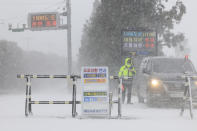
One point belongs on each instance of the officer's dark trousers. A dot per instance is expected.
(127, 89)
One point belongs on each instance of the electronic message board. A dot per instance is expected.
(43, 21)
(140, 43)
(95, 100)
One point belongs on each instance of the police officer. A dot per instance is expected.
(127, 70)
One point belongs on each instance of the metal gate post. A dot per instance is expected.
(74, 98)
(27, 97)
(190, 98)
(184, 97)
(187, 97)
(120, 99)
(110, 103)
(30, 106)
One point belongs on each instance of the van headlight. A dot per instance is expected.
(154, 83)
(195, 83)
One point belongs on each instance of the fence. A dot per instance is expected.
(74, 102)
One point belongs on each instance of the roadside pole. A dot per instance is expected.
(69, 46)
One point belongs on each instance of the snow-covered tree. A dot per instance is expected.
(101, 40)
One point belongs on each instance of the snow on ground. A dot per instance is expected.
(58, 117)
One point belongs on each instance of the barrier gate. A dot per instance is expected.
(187, 98)
(74, 102)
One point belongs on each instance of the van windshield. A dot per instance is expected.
(171, 66)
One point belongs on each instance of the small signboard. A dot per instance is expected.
(95, 100)
(43, 21)
(139, 43)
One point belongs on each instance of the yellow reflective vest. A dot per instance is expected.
(127, 70)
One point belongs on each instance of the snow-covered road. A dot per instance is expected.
(58, 118)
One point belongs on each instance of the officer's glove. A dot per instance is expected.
(133, 72)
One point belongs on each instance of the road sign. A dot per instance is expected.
(140, 43)
(43, 21)
(95, 100)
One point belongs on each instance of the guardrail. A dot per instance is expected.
(29, 102)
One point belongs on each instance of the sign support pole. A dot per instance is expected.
(74, 98)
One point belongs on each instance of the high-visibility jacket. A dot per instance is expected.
(127, 70)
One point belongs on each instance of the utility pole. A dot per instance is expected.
(69, 46)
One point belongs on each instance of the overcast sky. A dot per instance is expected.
(15, 11)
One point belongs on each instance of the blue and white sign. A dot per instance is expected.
(95, 100)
